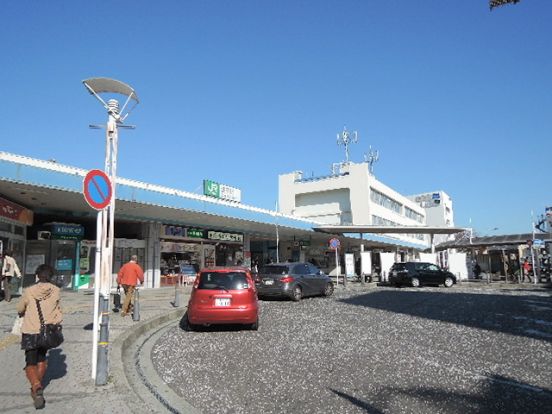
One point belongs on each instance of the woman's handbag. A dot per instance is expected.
(50, 336)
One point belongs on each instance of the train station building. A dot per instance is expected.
(45, 219)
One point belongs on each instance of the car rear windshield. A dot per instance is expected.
(274, 270)
(399, 266)
(223, 280)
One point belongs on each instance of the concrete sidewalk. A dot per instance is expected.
(69, 387)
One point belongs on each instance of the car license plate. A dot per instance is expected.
(268, 282)
(222, 301)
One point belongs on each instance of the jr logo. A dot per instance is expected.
(211, 188)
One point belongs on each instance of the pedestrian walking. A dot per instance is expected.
(128, 277)
(527, 269)
(9, 270)
(39, 305)
(476, 270)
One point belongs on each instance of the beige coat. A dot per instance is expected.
(49, 297)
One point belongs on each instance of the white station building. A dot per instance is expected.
(352, 196)
(438, 211)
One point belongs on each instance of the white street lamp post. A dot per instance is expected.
(106, 220)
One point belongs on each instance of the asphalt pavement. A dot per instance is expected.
(473, 348)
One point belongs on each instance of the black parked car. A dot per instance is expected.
(293, 280)
(420, 273)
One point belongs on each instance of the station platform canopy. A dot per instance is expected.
(339, 229)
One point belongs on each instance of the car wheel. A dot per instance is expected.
(415, 282)
(328, 291)
(187, 326)
(449, 282)
(297, 293)
(254, 326)
(368, 279)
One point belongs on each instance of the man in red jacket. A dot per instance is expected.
(130, 274)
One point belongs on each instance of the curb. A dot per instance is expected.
(123, 353)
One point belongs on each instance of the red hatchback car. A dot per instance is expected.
(223, 295)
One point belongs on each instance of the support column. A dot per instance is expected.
(152, 272)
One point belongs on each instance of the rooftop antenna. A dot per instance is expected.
(345, 138)
(371, 157)
(105, 219)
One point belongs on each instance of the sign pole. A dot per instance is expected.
(99, 189)
(97, 271)
(336, 268)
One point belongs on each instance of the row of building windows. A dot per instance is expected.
(380, 221)
(408, 212)
(385, 201)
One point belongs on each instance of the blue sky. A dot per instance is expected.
(454, 97)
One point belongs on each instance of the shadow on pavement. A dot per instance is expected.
(359, 403)
(496, 394)
(485, 311)
(183, 324)
(57, 368)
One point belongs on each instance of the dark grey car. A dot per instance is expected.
(293, 280)
(420, 273)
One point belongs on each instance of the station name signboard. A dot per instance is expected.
(222, 191)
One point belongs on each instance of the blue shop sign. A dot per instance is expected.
(64, 264)
(68, 231)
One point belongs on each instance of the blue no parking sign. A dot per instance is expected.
(97, 189)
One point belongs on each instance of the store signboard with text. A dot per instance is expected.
(66, 231)
(223, 236)
(222, 191)
(15, 212)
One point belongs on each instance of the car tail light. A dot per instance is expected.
(286, 279)
(196, 281)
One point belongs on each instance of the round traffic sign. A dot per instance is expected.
(335, 243)
(97, 189)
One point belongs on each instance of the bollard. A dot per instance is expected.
(136, 307)
(176, 302)
(102, 367)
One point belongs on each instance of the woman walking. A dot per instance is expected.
(39, 305)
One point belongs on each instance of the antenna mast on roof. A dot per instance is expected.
(346, 138)
(371, 157)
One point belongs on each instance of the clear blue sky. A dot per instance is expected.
(453, 96)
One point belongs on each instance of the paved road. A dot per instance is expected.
(386, 350)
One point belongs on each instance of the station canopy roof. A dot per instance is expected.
(338, 229)
(488, 241)
(48, 187)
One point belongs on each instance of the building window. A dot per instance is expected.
(408, 212)
(385, 201)
(380, 221)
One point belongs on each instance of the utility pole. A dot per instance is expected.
(106, 219)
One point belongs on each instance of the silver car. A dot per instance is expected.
(293, 280)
